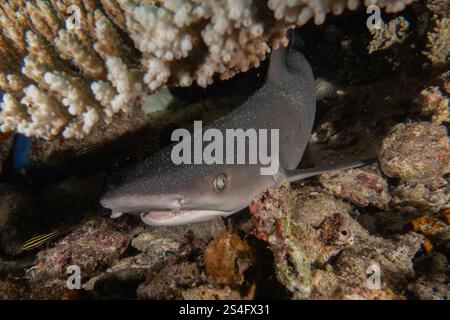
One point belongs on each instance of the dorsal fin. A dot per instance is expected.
(277, 65)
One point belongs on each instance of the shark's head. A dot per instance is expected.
(166, 195)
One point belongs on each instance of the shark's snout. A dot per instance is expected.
(123, 201)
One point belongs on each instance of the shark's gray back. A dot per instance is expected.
(286, 102)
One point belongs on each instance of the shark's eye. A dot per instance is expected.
(220, 182)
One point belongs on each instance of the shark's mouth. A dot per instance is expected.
(181, 217)
(160, 215)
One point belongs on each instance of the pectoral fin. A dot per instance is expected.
(116, 215)
(297, 175)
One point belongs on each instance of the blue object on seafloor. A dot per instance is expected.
(20, 153)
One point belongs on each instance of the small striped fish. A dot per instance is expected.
(85, 150)
(37, 241)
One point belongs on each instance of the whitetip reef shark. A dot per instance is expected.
(165, 194)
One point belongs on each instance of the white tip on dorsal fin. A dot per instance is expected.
(296, 175)
(116, 215)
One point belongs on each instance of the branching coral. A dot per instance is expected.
(432, 102)
(393, 32)
(439, 36)
(65, 65)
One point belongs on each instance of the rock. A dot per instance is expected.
(116, 285)
(432, 264)
(156, 242)
(168, 239)
(433, 103)
(444, 215)
(315, 240)
(432, 281)
(124, 271)
(52, 289)
(413, 196)
(227, 258)
(363, 187)
(436, 231)
(15, 267)
(415, 152)
(283, 219)
(92, 246)
(207, 292)
(175, 272)
(10, 291)
(164, 254)
(168, 280)
(385, 223)
(430, 289)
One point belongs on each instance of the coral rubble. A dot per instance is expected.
(416, 152)
(388, 34)
(90, 247)
(226, 259)
(438, 50)
(360, 186)
(321, 252)
(434, 101)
